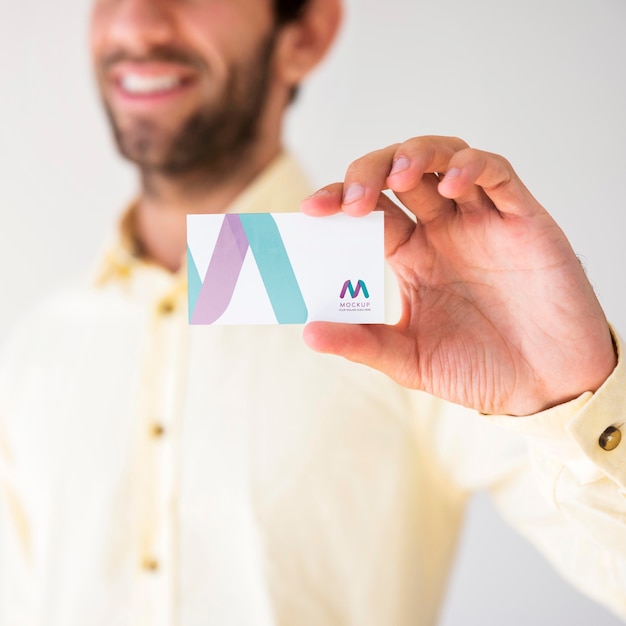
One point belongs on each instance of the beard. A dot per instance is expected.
(212, 138)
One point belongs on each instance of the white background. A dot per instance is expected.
(541, 82)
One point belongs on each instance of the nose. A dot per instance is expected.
(137, 26)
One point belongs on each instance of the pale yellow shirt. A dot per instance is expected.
(165, 475)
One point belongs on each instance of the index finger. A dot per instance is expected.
(353, 194)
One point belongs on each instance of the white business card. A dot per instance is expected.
(285, 268)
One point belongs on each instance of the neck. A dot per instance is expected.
(165, 201)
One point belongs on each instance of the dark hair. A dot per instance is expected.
(289, 10)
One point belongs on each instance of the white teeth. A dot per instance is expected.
(138, 84)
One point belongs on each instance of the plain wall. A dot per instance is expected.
(540, 82)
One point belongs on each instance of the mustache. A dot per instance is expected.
(169, 54)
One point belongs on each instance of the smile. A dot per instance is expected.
(142, 85)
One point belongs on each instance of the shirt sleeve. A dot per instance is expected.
(571, 501)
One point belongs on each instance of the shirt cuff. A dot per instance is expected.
(570, 433)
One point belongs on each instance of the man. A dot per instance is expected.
(156, 474)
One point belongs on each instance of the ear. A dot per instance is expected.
(302, 44)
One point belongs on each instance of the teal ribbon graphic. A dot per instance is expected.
(209, 299)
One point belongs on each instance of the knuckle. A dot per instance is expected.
(371, 162)
(460, 144)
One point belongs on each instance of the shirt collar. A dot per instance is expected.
(277, 189)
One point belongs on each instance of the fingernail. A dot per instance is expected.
(451, 174)
(353, 193)
(399, 165)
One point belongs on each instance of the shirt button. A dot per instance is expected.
(610, 438)
(150, 564)
(166, 306)
(157, 430)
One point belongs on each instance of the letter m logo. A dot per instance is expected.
(347, 287)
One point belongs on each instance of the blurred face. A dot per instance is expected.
(184, 82)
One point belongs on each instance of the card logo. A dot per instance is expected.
(347, 286)
(353, 304)
(209, 298)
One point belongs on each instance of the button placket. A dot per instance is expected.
(169, 331)
(160, 391)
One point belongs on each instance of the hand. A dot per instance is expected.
(497, 313)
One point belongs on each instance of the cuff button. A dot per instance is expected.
(610, 438)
